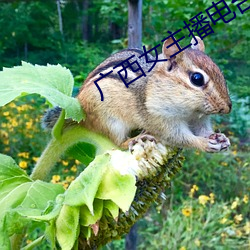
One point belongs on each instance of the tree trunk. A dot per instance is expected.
(59, 16)
(131, 238)
(85, 28)
(134, 23)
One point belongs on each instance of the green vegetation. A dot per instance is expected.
(208, 204)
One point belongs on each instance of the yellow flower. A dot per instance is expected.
(193, 190)
(77, 162)
(14, 123)
(238, 233)
(223, 235)
(12, 105)
(23, 164)
(234, 152)
(55, 178)
(35, 159)
(235, 203)
(6, 113)
(23, 107)
(6, 141)
(197, 242)
(24, 154)
(29, 124)
(187, 211)
(73, 168)
(245, 199)
(238, 218)
(223, 220)
(70, 178)
(225, 164)
(6, 149)
(211, 195)
(203, 199)
(65, 163)
(4, 134)
(247, 227)
(182, 248)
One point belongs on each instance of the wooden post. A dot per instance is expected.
(85, 20)
(131, 238)
(135, 23)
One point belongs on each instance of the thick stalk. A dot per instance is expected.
(57, 147)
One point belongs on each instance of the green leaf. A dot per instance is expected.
(50, 234)
(53, 82)
(14, 198)
(20, 197)
(4, 240)
(9, 168)
(6, 186)
(86, 231)
(14, 223)
(34, 243)
(46, 216)
(67, 226)
(83, 152)
(83, 189)
(39, 194)
(86, 218)
(112, 208)
(118, 188)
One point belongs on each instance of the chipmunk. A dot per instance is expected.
(172, 103)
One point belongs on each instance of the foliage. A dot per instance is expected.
(37, 39)
(99, 204)
(29, 79)
(199, 223)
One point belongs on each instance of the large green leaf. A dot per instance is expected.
(67, 226)
(20, 197)
(53, 82)
(118, 188)
(83, 189)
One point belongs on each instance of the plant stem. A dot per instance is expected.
(16, 240)
(57, 147)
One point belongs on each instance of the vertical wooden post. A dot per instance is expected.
(85, 20)
(58, 2)
(131, 238)
(135, 23)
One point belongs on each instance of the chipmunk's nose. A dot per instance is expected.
(226, 109)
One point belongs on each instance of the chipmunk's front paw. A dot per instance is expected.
(218, 142)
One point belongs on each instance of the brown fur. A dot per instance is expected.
(164, 103)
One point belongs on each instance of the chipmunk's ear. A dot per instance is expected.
(199, 46)
(169, 48)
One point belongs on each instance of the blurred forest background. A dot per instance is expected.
(207, 206)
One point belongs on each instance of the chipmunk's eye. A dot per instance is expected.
(197, 79)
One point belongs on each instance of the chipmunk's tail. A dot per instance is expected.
(50, 117)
